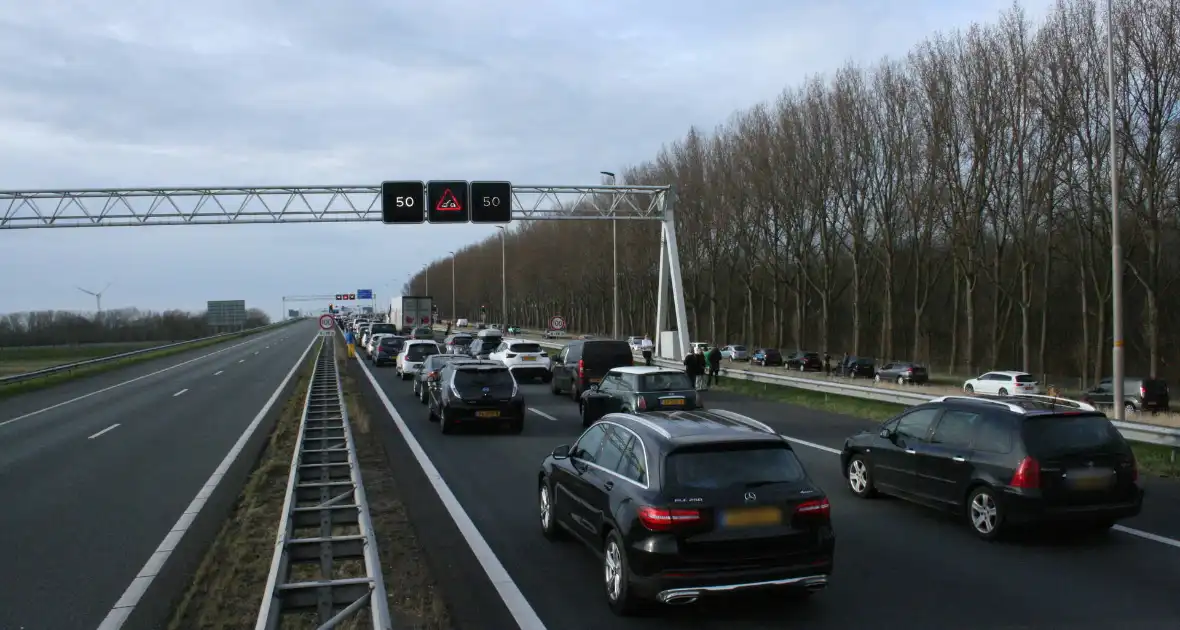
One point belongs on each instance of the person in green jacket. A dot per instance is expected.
(713, 360)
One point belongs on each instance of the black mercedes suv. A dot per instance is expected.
(475, 393)
(682, 505)
(1000, 462)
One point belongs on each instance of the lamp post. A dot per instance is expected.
(426, 273)
(454, 313)
(503, 275)
(1116, 249)
(614, 226)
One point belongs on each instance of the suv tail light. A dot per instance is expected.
(1027, 475)
(662, 520)
(642, 403)
(819, 508)
(581, 369)
(1142, 392)
(432, 375)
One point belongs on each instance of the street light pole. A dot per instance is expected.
(426, 272)
(454, 313)
(503, 275)
(1116, 248)
(614, 226)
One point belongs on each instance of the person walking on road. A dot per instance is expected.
(647, 348)
(350, 339)
(713, 360)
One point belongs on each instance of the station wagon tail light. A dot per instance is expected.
(642, 404)
(581, 369)
(1027, 475)
(814, 508)
(662, 520)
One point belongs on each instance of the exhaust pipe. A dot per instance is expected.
(816, 584)
(681, 598)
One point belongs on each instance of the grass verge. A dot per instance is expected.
(227, 588)
(1154, 460)
(25, 387)
(415, 600)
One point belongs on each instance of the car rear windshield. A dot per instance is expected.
(863, 361)
(525, 347)
(495, 380)
(420, 351)
(491, 340)
(740, 348)
(1025, 378)
(771, 353)
(383, 328)
(732, 465)
(811, 355)
(607, 354)
(392, 342)
(664, 382)
(461, 341)
(1051, 435)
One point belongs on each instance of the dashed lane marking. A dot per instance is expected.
(108, 429)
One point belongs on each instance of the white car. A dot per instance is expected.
(1003, 384)
(413, 355)
(525, 359)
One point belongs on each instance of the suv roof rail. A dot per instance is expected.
(1064, 402)
(1014, 408)
(743, 419)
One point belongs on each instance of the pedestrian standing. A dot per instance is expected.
(350, 339)
(713, 359)
(692, 368)
(647, 348)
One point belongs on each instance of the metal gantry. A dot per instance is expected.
(325, 568)
(217, 205)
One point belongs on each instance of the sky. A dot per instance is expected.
(220, 93)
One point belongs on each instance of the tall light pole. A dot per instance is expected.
(503, 275)
(426, 272)
(614, 227)
(1116, 248)
(454, 310)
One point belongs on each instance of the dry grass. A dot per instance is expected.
(227, 589)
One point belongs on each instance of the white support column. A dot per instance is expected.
(661, 290)
(678, 298)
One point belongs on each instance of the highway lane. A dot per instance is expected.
(83, 514)
(898, 565)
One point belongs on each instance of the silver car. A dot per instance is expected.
(735, 353)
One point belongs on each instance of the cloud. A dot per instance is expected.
(114, 93)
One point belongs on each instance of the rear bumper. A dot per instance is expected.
(468, 414)
(527, 370)
(676, 588)
(1022, 509)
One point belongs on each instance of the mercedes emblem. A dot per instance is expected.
(750, 496)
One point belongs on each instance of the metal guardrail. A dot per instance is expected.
(1132, 431)
(325, 564)
(66, 367)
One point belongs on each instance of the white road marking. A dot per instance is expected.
(179, 393)
(127, 382)
(241, 361)
(255, 352)
(218, 372)
(110, 428)
(526, 618)
(542, 414)
(131, 596)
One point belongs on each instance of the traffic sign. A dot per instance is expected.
(447, 202)
(364, 294)
(557, 322)
(327, 322)
(491, 202)
(402, 202)
(340, 297)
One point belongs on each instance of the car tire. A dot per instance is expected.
(586, 422)
(969, 390)
(901, 380)
(548, 376)
(445, 427)
(617, 576)
(1003, 391)
(876, 379)
(985, 513)
(860, 478)
(575, 395)
(430, 415)
(423, 395)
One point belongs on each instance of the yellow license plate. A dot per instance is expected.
(595, 380)
(487, 414)
(672, 402)
(751, 517)
(528, 358)
(1092, 482)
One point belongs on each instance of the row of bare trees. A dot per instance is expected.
(55, 328)
(951, 207)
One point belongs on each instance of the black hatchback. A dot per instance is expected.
(684, 505)
(474, 394)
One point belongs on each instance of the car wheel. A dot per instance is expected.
(969, 390)
(984, 513)
(430, 415)
(616, 576)
(585, 419)
(575, 395)
(422, 396)
(860, 478)
(877, 379)
(1003, 391)
(443, 425)
(553, 386)
(1129, 408)
(901, 380)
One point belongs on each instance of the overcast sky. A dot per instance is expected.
(125, 93)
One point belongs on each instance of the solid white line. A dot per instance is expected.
(218, 372)
(179, 393)
(110, 428)
(542, 414)
(514, 600)
(128, 382)
(130, 598)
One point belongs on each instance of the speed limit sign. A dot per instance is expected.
(557, 322)
(327, 322)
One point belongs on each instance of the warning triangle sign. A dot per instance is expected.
(448, 203)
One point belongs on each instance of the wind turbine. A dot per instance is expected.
(97, 295)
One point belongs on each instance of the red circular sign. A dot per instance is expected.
(326, 322)
(557, 322)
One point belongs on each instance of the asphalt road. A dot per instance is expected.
(91, 487)
(898, 565)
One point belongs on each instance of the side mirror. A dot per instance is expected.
(886, 434)
(561, 452)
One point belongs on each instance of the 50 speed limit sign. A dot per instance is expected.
(557, 322)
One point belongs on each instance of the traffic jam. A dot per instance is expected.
(680, 501)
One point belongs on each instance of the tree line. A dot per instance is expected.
(55, 328)
(951, 207)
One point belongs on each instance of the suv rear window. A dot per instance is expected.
(740, 348)
(392, 342)
(607, 354)
(1154, 387)
(664, 382)
(1025, 378)
(419, 351)
(525, 347)
(726, 467)
(1050, 435)
(461, 341)
(494, 379)
(383, 329)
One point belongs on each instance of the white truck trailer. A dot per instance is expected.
(408, 312)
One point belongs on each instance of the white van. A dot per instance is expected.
(462, 323)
